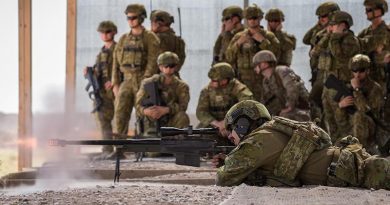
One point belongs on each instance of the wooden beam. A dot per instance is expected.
(70, 82)
(25, 139)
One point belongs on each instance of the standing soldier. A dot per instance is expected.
(275, 18)
(375, 40)
(231, 24)
(161, 25)
(342, 45)
(284, 92)
(134, 59)
(174, 95)
(246, 44)
(317, 53)
(102, 70)
(218, 97)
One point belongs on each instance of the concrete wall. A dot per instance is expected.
(201, 24)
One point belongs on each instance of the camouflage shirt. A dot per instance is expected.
(215, 102)
(176, 95)
(135, 54)
(170, 42)
(222, 43)
(104, 62)
(287, 45)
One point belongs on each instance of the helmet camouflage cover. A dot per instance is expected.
(263, 56)
(274, 14)
(138, 9)
(253, 11)
(231, 11)
(381, 4)
(326, 8)
(341, 16)
(221, 71)
(247, 108)
(159, 15)
(168, 58)
(360, 61)
(107, 26)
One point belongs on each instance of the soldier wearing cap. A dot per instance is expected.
(174, 94)
(367, 98)
(134, 59)
(284, 93)
(342, 45)
(246, 44)
(161, 25)
(275, 19)
(103, 71)
(231, 25)
(275, 151)
(375, 39)
(223, 91)
(319, 53)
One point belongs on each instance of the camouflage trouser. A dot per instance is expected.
(179, 120)
(363, 128)
(336, 119)
(315, 96)
(104, 117)
(253, 82)
(125, 102)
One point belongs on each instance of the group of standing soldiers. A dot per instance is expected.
(249, 63)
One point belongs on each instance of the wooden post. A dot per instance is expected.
(70, 82)
(246, 3)
(25, 114)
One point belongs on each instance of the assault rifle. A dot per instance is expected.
(186, 144)
(94, 82)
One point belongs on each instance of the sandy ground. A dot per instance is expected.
(162, 189)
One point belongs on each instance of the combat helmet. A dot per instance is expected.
(327, 8)
(381, 4)
(242, 116)
(341, 16)
(376, 173)
(274, 14)
(138, 9)
(253, 12)
(360, 62)
(221, 71)
(163, 16)
(168, 58)
(264, 56)
(231, 11)
(106, 27)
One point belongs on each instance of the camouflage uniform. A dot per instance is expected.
(342, 47)
(287, 41)
(371, 38)
(174, 95)
(240, 56)
(134, 59)
(318, 53)
(215, 102)
(103, 68)
(169, 41)
(224, 38)
(280, 152)
(282, 89)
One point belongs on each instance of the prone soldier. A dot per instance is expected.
(275, 151)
